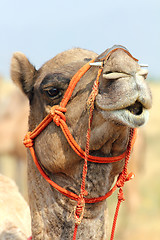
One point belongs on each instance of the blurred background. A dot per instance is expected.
(41, 29)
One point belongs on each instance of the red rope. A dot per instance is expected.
(123, 177)
(80, 205)
(81, 153)
(74, 82)
(75, 232)
(58, 117)
(115, 219)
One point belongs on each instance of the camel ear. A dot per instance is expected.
(22, 73)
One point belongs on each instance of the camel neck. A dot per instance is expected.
(54, 212)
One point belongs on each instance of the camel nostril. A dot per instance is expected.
(114, 75)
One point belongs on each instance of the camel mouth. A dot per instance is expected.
(134, 115)
(136, 108)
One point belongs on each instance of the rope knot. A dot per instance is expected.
(124, 178)
(93, 94)
(121, 195)
(28, 142)
(56, 113)
(121, 180)
(79, 210)
(130, 176)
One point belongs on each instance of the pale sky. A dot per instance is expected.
(41, 29)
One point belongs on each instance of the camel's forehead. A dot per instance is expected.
(65, 62)
(69, 56)
(78, 54)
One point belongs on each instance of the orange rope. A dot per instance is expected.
(29, 143)
(74, 82)
(75, 232)
(123, 177)
(72, 141)
(81, 153)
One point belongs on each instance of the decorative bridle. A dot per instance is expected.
(57, 116)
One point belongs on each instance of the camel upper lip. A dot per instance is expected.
(114, 75)
(135, 103)
(134, 115)
(135, 107)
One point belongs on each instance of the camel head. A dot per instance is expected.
(122, 103)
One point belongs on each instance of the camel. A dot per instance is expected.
(122, 103)
(14, 212)
(13, 126)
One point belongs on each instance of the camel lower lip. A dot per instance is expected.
(125, 117)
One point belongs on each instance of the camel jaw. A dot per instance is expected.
(133, 116)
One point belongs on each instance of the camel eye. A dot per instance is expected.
(53, 93)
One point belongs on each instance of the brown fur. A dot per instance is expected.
(52, 213)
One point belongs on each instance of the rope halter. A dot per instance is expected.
(57, 115)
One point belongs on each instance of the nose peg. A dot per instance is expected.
(142, 65)
(143, 71)
(96, 64)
